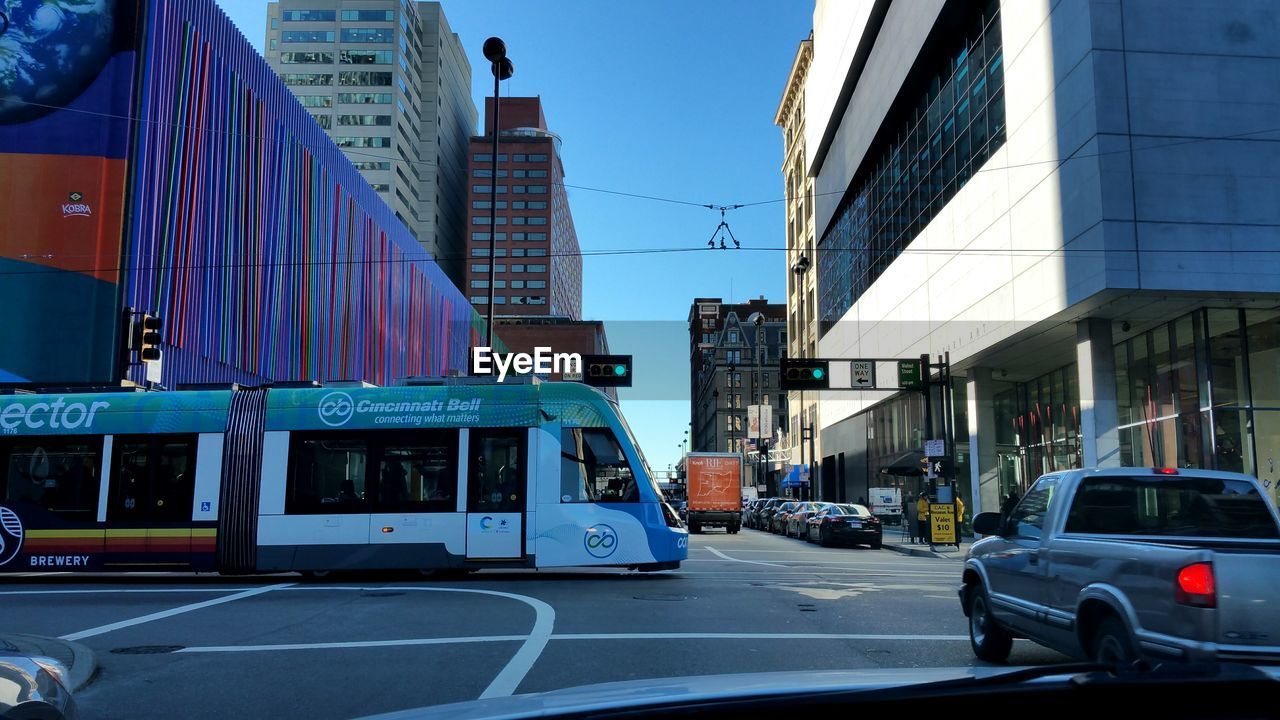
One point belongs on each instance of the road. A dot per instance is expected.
(172, 645)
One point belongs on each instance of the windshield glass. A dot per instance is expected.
(306, 400)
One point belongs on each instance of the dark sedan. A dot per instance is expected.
(845, 524)
(778, 520)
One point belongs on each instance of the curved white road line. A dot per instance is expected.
(719, 554)
(521, 663)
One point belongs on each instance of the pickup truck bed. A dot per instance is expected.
(1086, 565)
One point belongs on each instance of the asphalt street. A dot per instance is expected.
(210, 647)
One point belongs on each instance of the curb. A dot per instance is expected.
(84, 667)
(84, 663)
(921, 552)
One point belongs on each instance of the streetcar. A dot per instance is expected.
(446, 474)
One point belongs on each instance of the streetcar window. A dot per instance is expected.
(57, 474)
(593, 468)
(418, 472)
(153, 478)
(327, 475)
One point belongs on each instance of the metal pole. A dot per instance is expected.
(493, 205)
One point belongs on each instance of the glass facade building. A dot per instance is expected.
(932, 144)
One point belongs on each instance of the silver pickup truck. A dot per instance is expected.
(1123, 564)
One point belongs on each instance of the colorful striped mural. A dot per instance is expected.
(249, 232)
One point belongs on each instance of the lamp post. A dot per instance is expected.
(801, 267)
(495, 51)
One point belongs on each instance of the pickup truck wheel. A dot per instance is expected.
(1111, 643)
(990, 642)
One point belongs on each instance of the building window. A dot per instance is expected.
(323, 121)
(537, 204)
(933, 146)
(536, 189)
(517, 220)
(372, 165)
(364, 77)
(537, 173)
(537, 158)
(378, 120)
(536, 236)
(304, 58)
(368, 15)
(381, 187)
(364, 98)
(307, 78)
(362, 142)
(479, 300)
(364, 57)
(275, 23)
(535, 220)
(366, 35)
(537, 284)
(733, 336)
(536, 252)
(316, 101)
(309, 15)
(484, 220)
(479, 284)
(306, 36)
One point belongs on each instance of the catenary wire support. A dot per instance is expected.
(723, 228)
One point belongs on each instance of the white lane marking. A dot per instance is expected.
(749, 562)
(112, 591)
(522, 662)
(749, 636)
(353, 644)
(101, 629)
(568, 636)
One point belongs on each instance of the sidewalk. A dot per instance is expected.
(946, 552)
(78, 659)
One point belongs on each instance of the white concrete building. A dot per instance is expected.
(390, 82)
(1078, 200)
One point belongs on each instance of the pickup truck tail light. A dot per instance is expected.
(1196, 586)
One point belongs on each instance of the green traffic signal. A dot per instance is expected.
(817, 373)
(619, 370)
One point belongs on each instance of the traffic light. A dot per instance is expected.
(805, 374)
(607, 370)
(149, 345)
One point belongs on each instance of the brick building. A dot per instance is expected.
(539, 269)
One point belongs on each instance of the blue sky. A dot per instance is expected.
(658, 97)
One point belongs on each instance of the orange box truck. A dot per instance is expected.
(714, 491)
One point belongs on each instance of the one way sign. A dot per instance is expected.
(864, 373)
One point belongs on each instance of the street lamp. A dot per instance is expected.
(800, 267)
(495, 51)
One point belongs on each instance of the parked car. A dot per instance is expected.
(34, 687)
(764, 515)
(797, 521)
(1126, 563)
(778, 521)
(848, 524)
(750, 513)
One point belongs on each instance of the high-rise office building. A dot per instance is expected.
(390, 83)
(539, 268)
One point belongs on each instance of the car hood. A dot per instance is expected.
(639, 693)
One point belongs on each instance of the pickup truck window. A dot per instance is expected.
(1170, 506)
(1027, 519)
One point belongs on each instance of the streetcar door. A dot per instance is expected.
(497, 483)
(149, 500)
